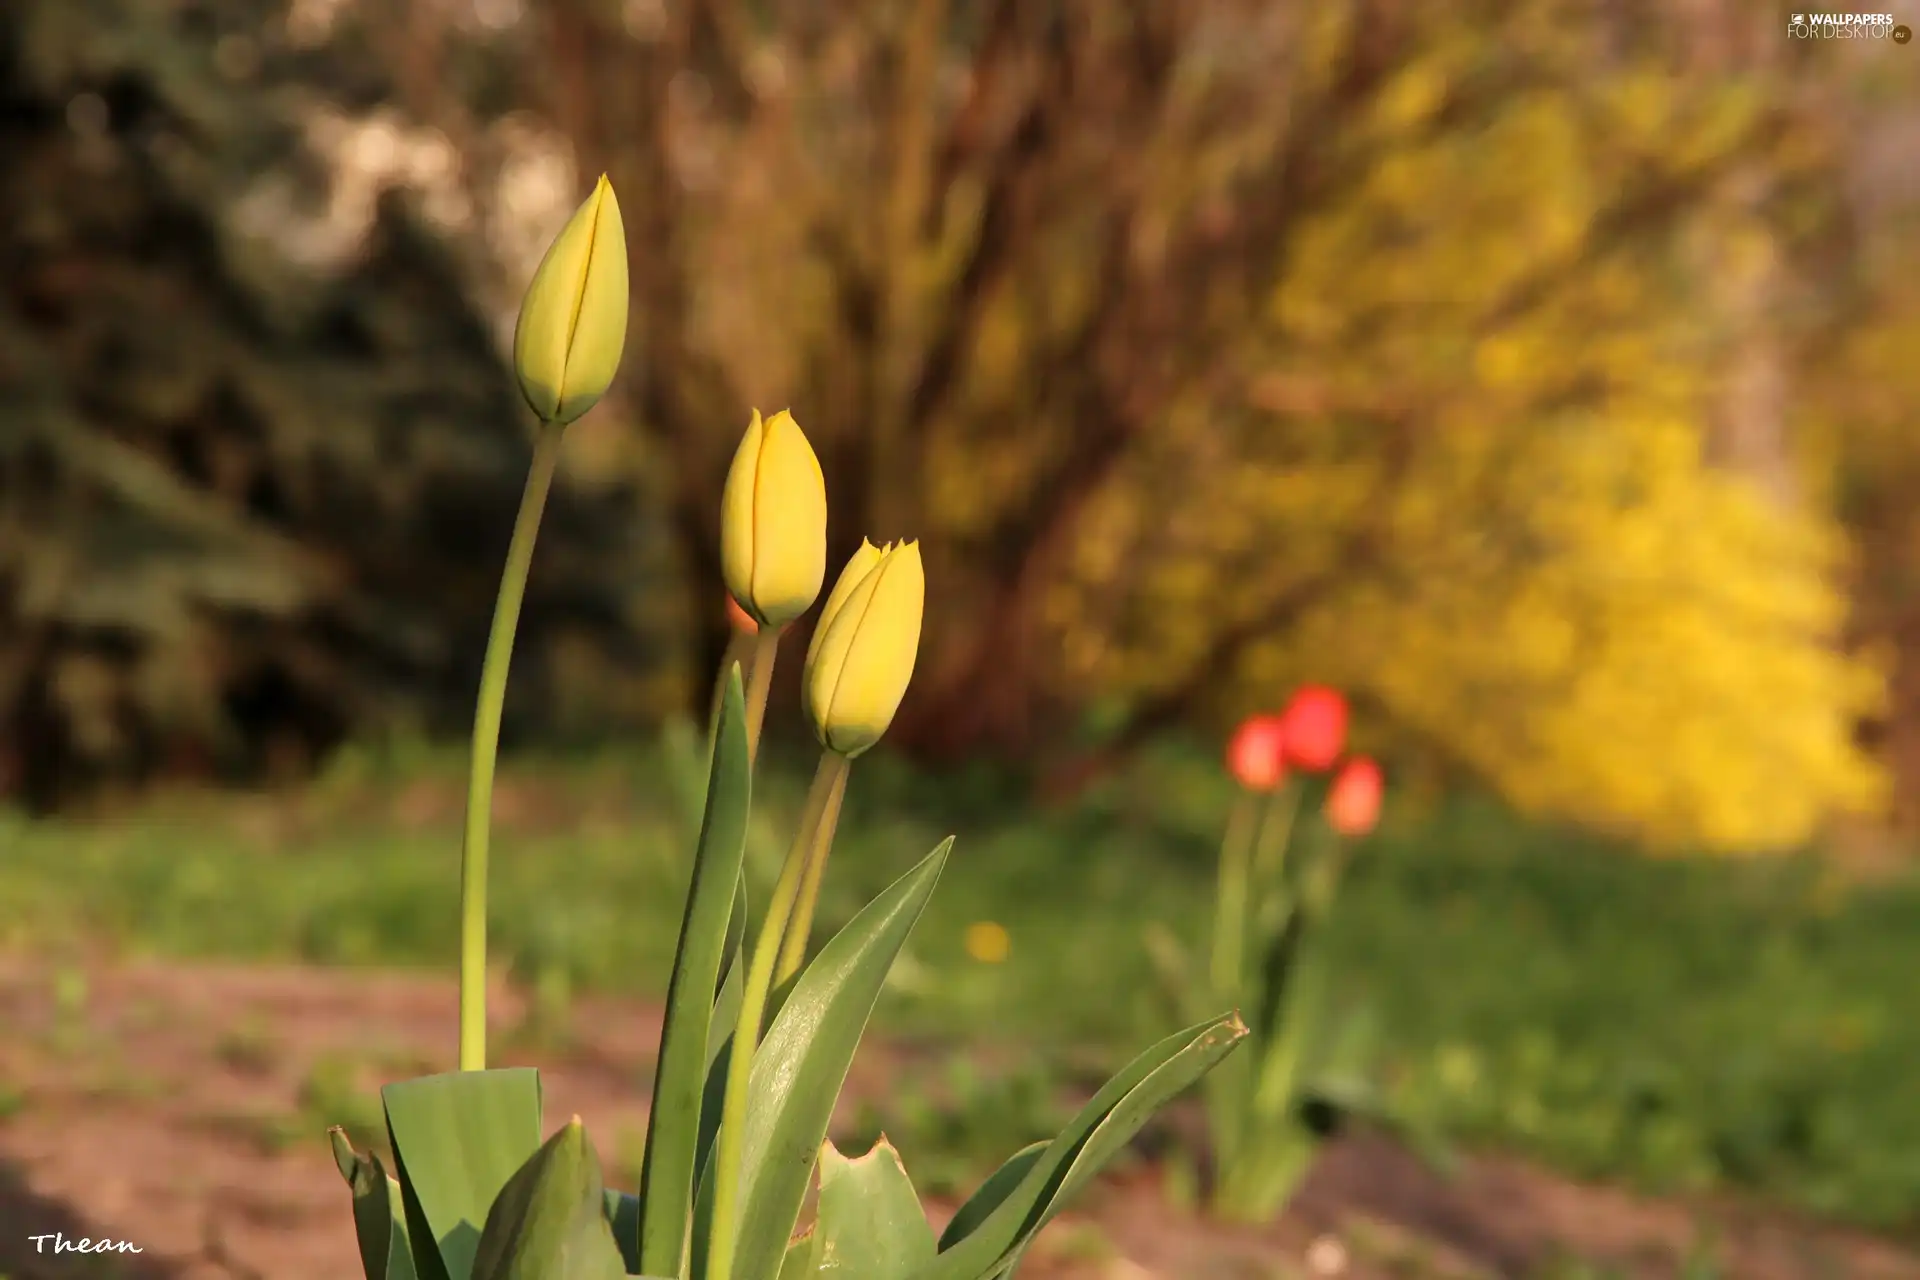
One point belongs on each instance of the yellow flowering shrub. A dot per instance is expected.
(1470, 483)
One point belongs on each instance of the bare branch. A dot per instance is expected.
(966, 139)
(997, 239)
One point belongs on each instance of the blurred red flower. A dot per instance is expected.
(738, 617)
(1353, 801)
(1315, 727)
(1257, 755)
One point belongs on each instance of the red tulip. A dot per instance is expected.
(1257, 755)
(1353, 801)
(1315, 727)
(738, 617)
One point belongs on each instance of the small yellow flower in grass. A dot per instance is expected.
(573, 319)
(773, 522)
(863, 650)
(987, 942)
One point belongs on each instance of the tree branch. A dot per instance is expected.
(966, 139)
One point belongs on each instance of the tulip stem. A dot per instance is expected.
(1230, 899)
(766, 647)
(823, 797)
(819, 843)
(1328, 868)
(1276, 836)
(486, 749)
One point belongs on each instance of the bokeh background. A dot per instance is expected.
(1542, 374)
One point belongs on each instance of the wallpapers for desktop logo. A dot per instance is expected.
(1847, 26)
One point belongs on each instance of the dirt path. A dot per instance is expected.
(182, 1110)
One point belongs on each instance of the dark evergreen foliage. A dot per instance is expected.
(247, 508)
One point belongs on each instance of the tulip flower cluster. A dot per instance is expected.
(1261, 957)
(757, 1041)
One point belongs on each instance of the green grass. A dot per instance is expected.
(1672, 1024)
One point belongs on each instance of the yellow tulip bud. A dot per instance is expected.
(573, 320)
(862, 655)
(773, 522)
(857, 568)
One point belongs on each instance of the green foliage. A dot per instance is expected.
(800, 1066)
(549, 1222)
(458, 1139)
(244, 489)
(1663, 1023)
(709, 948)
(721, 1207)
(1311, 1062)
(871, 1222)
(1000, 1220)
(379, 1213)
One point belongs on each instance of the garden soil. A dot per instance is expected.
(182, 1111)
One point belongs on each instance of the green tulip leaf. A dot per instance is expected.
(1227, 1100)
(802, 1260)
(990, 1194)
(549, 1222)
(673, 1129)
(379, 1218)
(777, 999)
(870, 1220)
(1215, 1042)
(623, 1217)
(713, 1099)
(726, 1014)
(457, 1138)
(801, 1065)
(733, 973)
(989, 1244)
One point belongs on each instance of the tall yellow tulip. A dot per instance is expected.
(863, 652)
(566, 348)
(773, 522)
(573, 318)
